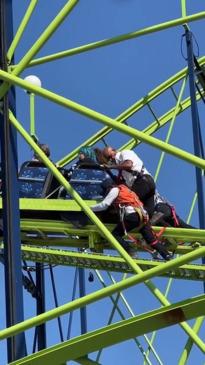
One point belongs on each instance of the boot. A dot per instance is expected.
(166, 255)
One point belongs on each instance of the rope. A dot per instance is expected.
(133, 239)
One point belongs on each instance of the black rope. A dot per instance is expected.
(73, 297)
(56, 302)
(181, 47)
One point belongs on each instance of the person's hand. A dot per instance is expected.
(104, 166)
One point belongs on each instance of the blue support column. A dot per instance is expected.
(16, 346)
(198, 148)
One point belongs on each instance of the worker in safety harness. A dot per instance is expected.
(132, 215)
(169, 216)
(134, 173)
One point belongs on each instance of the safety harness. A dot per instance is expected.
(127, 197)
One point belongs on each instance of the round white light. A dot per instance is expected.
(34, 80)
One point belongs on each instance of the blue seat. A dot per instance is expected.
(32, 180)
(87, 183)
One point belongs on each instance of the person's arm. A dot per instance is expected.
(125, 165)
(105, 203)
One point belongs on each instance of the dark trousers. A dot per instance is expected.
(132, 221)
(168, 219)
(144, 187)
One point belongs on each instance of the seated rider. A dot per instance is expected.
(89, 158)
(45, 148)
(86, 157)
(134, 217)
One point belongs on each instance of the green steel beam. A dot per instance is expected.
(59, 233)
(120, 38)
(175, 151)
(21, 29)
(32, 114)
(118, 332)
(103, 293)
(50, 204)
(68, 7)
(183, 8)
(187, 349)
(105, 262)
(122, 316)
(177, 109)
(52, 226)
(153, 127)
(86, 361)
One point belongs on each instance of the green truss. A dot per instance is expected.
(97, 237)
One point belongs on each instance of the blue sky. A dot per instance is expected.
(109, 80)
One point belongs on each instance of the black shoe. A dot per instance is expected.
(155, 255)
(166, 255)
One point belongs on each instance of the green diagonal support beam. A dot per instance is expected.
(120, 38)
(175, 151)
(118, 332)
(21, 29)
(188, 346)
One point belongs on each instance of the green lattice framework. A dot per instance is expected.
(144, 271)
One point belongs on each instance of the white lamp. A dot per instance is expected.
(34, 80)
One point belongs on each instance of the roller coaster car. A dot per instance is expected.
(37, 184)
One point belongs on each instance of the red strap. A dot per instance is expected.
(176, 222)
(138, 243)
(160, 233)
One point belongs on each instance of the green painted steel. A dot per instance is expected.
(183, 7)
(97, 236)
(32, 114)
(159, 123)
(156, 292)
(21, 29)
(171, 126)
(180, 234)
(175, 151)
(133, 109)
(50, 204)
(94, 261)
(86, 361)
(120, 38)
(40, 42)
(187, 349)
(118, 332)
(91, 298)
(117, 309)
